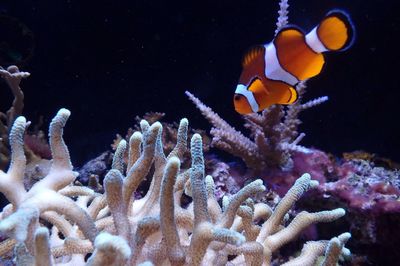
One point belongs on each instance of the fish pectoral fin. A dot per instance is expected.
(292, 95)
(280, 93)
(286, 96)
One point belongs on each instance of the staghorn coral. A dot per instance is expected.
(58, 223)
(283, 15)
(273, 133)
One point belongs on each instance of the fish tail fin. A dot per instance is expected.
(335, 33)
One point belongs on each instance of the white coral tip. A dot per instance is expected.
(105, 241)
(64, 112)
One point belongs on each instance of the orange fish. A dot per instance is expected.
(271, 71)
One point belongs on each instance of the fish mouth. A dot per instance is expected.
(251, 103)
(241, 104)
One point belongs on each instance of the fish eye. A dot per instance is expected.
(237, 97)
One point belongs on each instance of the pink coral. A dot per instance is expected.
(366, 187)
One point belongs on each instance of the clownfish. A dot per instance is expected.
(271, 71)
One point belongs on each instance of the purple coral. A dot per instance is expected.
(365, 187)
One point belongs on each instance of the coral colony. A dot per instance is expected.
(119, 230)
(187, 217)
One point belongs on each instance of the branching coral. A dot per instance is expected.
(169, 134)
(58, 223)
(13, 77)
(45, 195)
(36, 147)
(273, 133)
(283, 15)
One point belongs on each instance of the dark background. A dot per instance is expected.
(108, 61)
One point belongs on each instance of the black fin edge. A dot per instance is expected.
(351, 30)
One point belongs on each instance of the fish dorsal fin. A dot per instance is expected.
(251, 54)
